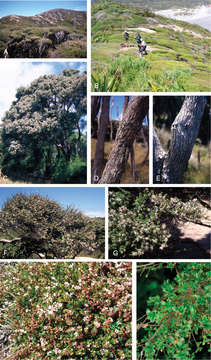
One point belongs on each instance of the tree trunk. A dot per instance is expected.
(169, 168)
(126, 102)
(158, 158)
(111, 129)
(99, 152)
(78, 145)
(132, 162)
(131, 149)
(133, 117)
(95, 106)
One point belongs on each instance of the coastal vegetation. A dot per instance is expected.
(56, 33)
(33, 226)
(178, 53)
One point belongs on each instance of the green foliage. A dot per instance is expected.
(124, 72)
(40, 225)
(67, 310)
(42, 135)
(177, 57)
(176, 322)
(73, 172)
(71, 49)
(140, 224)
(103, 83)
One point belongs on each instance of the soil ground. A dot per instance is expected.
(142, 167)
(191, 240)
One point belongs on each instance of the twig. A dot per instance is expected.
(9, 241)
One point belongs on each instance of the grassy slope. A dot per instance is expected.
(178, 60)
(32, 31)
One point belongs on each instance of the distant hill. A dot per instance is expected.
(54, 33)
(164, 4)
(51, 17)
(178, 56)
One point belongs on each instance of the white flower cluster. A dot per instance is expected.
(15, 147)
(144, 226)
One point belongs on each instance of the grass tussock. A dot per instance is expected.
(178, 53)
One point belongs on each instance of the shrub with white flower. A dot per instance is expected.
(140, 221)
(64, 310)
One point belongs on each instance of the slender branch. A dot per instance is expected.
(9, 241)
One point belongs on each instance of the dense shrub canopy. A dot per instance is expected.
(43, 226)
(176, 323)
(140, 221)
(43, 130)
(67, 311)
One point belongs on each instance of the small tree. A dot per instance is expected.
(42, 131)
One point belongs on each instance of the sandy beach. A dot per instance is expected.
(200, 15)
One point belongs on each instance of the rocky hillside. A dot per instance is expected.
(54, 33)
(178, 53)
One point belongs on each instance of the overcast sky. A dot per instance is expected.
(14, 74)
(90, 200)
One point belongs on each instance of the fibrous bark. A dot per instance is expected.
(133, 117)
(169, 168)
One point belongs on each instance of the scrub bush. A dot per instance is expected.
(140, 224)
(67, 310)
(44, 226)
(176, 324)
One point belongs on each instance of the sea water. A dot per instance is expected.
(31, 8)
(200, 15)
